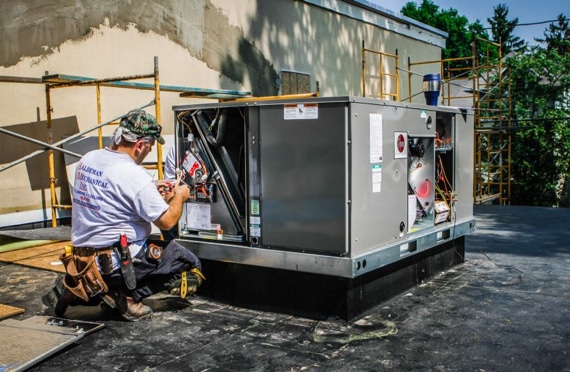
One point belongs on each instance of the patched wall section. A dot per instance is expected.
(38, 28)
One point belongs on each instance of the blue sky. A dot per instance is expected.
(526, 11)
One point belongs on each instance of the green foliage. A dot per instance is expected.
(557, 36)
(460, 31)
(502, 30)
(541, 144)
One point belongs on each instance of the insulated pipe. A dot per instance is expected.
(221, 119)
(220, 176)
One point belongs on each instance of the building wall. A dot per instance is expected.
(213, 44)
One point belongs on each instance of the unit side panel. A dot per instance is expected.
(378, 179)
(254, 178)
(303, 180)
(464, 166)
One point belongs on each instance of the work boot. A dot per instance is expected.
(64, 300)
(59, 298)
(136, 311)
(128, 308)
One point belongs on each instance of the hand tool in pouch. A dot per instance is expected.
(126, 262)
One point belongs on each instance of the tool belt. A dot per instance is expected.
(85, 251)
(83, 277)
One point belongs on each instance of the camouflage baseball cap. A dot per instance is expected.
(142, 124)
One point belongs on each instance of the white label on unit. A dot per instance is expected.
(198, 216)
(255, 230)
(375, 138)
(400, 145)
(298, 111)
(376, 177)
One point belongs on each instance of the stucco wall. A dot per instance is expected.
(214, 44)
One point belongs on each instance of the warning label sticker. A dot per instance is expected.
(376, 177)
(298, 111)
(376, 151)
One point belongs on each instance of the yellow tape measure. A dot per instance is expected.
(183, 285)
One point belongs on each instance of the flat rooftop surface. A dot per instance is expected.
(507, 308)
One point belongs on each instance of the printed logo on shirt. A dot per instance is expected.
(87, 179)
(86, 204)
(81, 196)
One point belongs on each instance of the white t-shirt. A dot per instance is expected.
(112, 195)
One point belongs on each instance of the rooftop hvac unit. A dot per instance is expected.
(330, 187)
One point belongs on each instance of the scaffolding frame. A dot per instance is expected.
(383, 64)
(485, 84)
(493, 128)
(57, 81)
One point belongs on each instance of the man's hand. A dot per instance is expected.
(175, 198)
(164, 188)
(183, 190)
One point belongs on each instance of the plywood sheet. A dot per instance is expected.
(27, 342)
(7, 310)
(43, 257)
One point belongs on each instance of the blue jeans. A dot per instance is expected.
(154, 276)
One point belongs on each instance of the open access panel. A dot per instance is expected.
(336, 203)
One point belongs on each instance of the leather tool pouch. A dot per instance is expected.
(83, 278)
(105, 263)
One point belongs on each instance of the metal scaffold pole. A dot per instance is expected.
(157, 115)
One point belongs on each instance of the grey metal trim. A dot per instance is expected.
(414, 244)
(346, 267)
(397, 15)
(342, 99)
(367, 12)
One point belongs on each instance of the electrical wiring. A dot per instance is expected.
(443, 186)
(438, 141)
(415, 164)
(441, 178)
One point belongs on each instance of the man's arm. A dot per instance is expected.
(170, 217)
